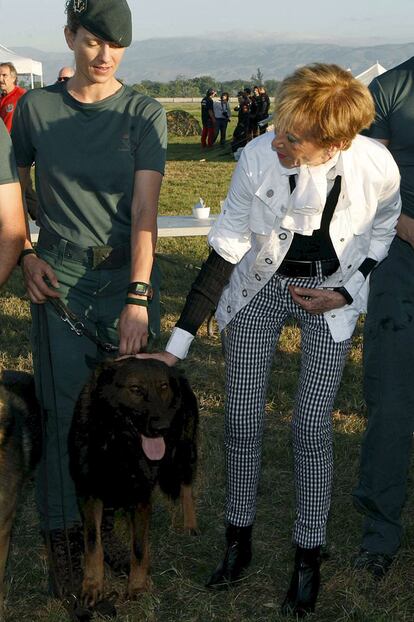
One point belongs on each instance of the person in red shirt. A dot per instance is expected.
(11, 93)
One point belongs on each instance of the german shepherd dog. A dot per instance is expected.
(20, 450)
(134, 425)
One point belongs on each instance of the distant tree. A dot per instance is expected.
(272, 87)
(203, 83)
(233, 86)
(258, 77)
(197, 87)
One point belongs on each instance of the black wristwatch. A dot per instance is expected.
(140, 289)
(345, 293)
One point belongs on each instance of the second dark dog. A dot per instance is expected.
(135, 425)
(20, 449)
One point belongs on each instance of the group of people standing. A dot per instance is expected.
(252, 113)
(308, 221)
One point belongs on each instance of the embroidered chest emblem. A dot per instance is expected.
(125, 143)
(80, 6)
(9, 108)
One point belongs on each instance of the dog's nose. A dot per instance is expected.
(157, 426)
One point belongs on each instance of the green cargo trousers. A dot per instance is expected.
(389, 394)
(62, 364)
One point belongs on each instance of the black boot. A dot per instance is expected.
(304, 585)
(237, 557)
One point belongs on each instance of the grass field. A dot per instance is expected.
(181, 564)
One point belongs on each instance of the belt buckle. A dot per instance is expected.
(303, 268)
(100, 254)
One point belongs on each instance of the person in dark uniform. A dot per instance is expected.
(12, 226)
(99, 149)
(240, 134)
(208, 119)
(310, 211)
(254, 113)
(389, 343)
(263, 113)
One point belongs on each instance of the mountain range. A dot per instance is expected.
(228, 57)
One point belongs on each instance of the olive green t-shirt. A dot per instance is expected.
(86, 156)
(393, 94)
(8, 170)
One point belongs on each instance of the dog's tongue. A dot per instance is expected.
(154, 448)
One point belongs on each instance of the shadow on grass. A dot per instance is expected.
(181, 151)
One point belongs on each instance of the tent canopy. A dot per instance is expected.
(26, 66)
(372, 72)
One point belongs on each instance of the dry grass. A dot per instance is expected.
(180, 564)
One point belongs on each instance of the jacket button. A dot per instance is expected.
(269, 193)
(244, 293)
(268, 260)
(350, 266)
(257, 277)
(282, 236)
(342, 240)
(229, 309)
(283, 209)
(333, 315)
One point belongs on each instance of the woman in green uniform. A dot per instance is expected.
(12, 228)
(99, 149)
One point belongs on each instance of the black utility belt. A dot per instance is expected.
(95, 257)
(293, 268)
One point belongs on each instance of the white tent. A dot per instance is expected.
(24, 66)
(372, 72)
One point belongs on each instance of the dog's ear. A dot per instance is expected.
(189, 407)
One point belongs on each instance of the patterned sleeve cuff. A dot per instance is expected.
(179, 343)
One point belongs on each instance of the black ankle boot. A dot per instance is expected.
(237, 557)
(304, 585)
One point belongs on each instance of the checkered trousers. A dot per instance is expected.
(250, 341)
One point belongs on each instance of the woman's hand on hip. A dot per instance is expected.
(316, 301)
(37, 273)
(133, 329)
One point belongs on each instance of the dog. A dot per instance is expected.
(134, 426)
(20, 450)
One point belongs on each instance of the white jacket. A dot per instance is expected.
(248, 231)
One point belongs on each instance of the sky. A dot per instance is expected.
(39, 23)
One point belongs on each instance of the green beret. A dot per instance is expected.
(109, 20)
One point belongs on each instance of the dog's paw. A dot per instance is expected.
(191, 531)
(92, 593)
(135, 591)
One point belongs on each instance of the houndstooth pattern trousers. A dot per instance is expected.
(250, 342)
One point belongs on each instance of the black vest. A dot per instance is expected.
(318, 245)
